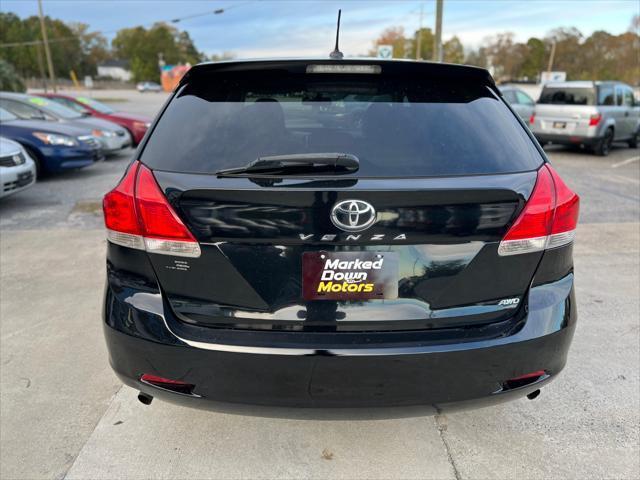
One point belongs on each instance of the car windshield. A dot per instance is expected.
(54, 108)
(95, 104)
(5, 116)
(568, 96)
(71, 104)
(396, 127)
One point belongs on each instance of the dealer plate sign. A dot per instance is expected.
(349, 275)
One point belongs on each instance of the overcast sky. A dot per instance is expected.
(300, 27)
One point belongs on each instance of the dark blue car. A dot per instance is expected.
(54, 147)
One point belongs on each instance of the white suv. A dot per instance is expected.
(592, 114)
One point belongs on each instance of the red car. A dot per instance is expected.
(137, 125)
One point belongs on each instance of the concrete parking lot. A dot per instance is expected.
(64, 414)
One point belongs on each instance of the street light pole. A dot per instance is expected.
(419, 39)
(437, 50)
(47, 52)
(552, 56)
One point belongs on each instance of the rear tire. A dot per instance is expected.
(603, 147)
(635, 140)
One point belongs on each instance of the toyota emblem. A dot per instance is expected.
(353, 215)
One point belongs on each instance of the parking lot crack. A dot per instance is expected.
(106, 411)
(441, 424)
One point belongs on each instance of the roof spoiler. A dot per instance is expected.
(386, 67)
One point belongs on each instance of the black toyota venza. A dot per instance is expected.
(339, 234)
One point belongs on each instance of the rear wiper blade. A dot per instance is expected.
(298, 163)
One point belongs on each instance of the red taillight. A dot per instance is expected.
(138, 215)
(168, 384)
(158, 218)
(594, 120)
(532, 119)
(548, 220)
(524, 380)
(567, 206)
(119, 205)
(536, 374)
(535, 219)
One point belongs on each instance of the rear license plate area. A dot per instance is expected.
(559, 124)
(360, 275)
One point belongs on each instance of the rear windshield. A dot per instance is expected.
(568, 96)
(397, 127)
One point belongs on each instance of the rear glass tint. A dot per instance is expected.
(568, 96)
(396, 126)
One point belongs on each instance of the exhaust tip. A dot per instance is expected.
(145, 399)
(533, 395)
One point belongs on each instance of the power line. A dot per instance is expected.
(217, 11)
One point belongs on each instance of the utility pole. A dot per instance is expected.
(419, 36)
(47, 52)
(551, 56)
(437, 47)
(43, 75)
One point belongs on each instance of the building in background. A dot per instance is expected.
(116, 69)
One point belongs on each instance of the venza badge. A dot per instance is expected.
(353, 215)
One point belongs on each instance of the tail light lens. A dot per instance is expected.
(594, 120)
(548, 220)
(138, 215)
(532, 119)
(168, 384)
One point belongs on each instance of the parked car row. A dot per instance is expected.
(46, 134)
(587, 114)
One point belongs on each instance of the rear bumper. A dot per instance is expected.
(392, 379)
(566, 139)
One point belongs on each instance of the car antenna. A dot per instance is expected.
(337, 54)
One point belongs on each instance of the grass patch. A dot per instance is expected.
(88, 206)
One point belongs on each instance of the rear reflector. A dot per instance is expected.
(138, 215)
(547, 221)
(168, 384)
(524, 380)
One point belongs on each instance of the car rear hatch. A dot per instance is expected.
(410, 240)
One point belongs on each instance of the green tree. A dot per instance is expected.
(535, 61)
(426, 44)
(94, 48)
(144, 48)
(391, 36)
(570, 55)
(66, 51)
(215, 57)
(477, 57)
(9, 79)
(453, 50)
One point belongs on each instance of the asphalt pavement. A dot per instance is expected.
(64, 414)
